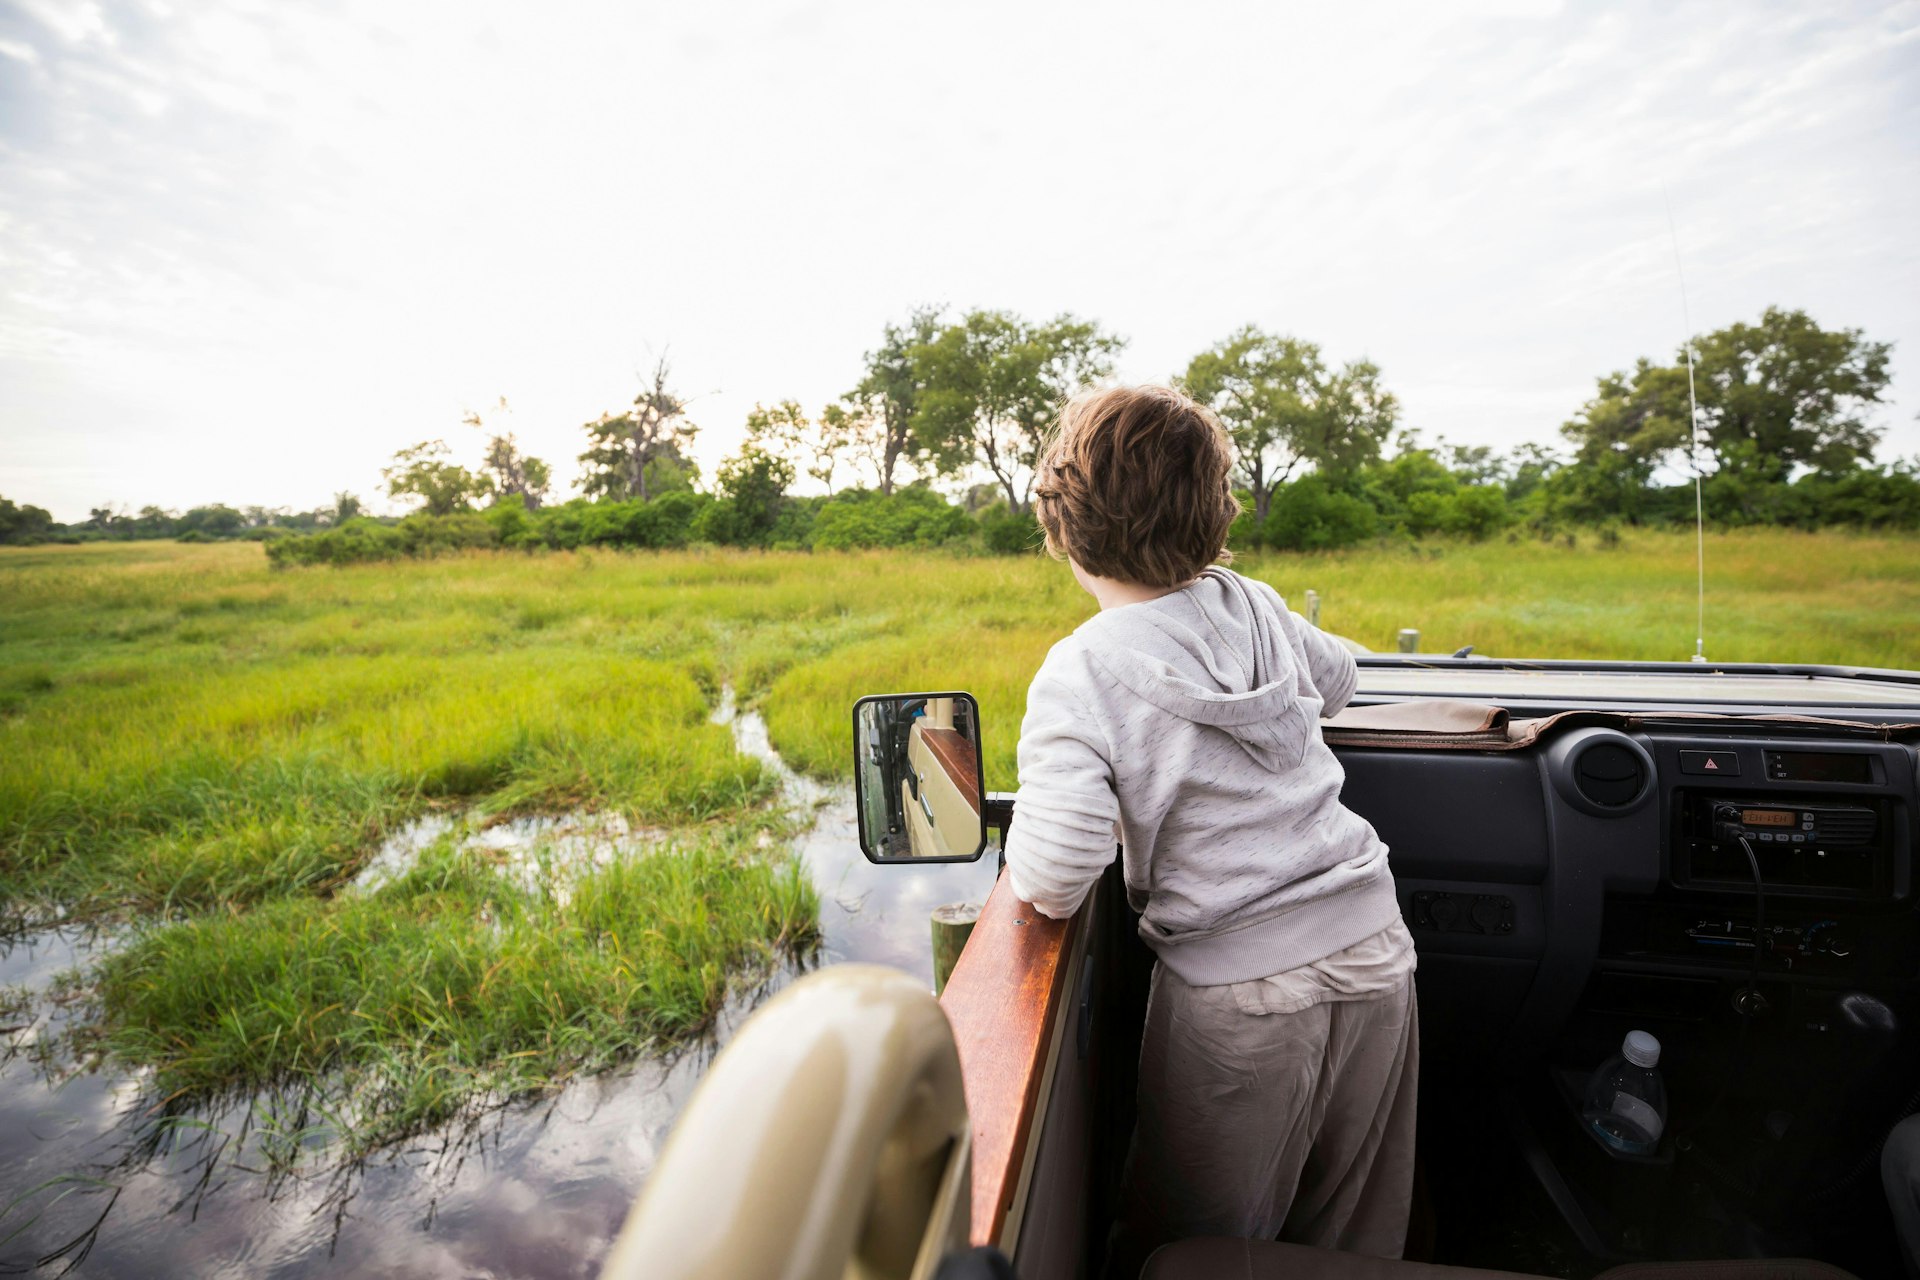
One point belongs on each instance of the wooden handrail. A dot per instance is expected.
(1001, 1001)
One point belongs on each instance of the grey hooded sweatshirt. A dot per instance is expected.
(1189, 726)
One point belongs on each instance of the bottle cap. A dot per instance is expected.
(1641, 1049)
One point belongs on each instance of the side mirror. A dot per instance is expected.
(916, 777)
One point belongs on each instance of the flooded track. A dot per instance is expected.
(535, 1189)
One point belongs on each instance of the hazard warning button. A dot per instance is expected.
(1714, 764)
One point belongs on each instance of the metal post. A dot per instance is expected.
(1409, 640)
(1313, 606)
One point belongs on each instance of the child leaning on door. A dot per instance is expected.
(1279, 1057)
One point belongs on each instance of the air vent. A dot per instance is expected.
(1609, 775)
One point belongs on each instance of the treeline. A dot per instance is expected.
(910, 516)
(1475, 493)
(1780, 437)
(24, 524)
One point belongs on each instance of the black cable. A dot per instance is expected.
(1759, 919)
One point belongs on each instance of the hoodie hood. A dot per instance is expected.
(1213, 652)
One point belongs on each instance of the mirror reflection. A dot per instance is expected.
(917, 777)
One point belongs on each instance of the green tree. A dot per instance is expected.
(1796, 393)
(849, 431)
(345, 507)
(424, 472)
(1284, 407)
(1527, 468)
(993, 388)
(23, 522)
(506, 471)
(215, 520)
(881, 411)
(153, 522)
(1773, 397)
(622, 445)
(752, 486)
(814, 448)
(670, 471)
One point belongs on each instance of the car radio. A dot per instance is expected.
(1800, 846)
(1769, 822)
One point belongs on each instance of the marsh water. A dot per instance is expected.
(90, 1181)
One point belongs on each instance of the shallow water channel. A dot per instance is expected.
(535, 1189)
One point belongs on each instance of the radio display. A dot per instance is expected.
(1767, 817)
(1819, 766)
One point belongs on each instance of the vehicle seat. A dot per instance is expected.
(1224, 1258)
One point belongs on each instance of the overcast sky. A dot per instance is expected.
(248, 250)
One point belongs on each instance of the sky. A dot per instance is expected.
(250, 250)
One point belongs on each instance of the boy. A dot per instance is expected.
(1277, 1065)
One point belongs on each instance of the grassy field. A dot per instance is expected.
(210, 751)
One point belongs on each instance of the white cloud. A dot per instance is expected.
(251, 251)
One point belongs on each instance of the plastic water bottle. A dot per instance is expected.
(1626, 1100)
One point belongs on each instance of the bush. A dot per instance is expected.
(1310, 514)
(911, 517)
(1010, 533)
(1477, 511)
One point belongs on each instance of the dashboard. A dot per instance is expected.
(1599, 873)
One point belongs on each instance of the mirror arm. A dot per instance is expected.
(999, 813)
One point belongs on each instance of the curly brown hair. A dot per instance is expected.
(1133, 486)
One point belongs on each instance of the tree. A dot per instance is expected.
(505, 470)
(1528, 468)
(1284, 407)
(1795, 392)
(153, 522)
(23, 522)
(621, 445)
(1773, 397)
(855, 433)
(753, 487)
(345, 507)
(882, 409)
(424, 472)
(814, 448)
(993, 388)
(215, 520)
(1621, 437)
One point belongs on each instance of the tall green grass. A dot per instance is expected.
(450, 988)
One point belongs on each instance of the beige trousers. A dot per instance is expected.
(1291, 1126)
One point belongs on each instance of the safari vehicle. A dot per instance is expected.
(1571, 846)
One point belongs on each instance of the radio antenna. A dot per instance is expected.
(1693, 453)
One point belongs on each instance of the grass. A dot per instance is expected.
(208, 751)
(449, 989)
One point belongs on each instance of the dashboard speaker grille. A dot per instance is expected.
(1847, 828)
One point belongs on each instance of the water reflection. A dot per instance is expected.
(533, 1189)
(538, 853)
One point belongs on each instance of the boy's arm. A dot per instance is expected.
(1332, 668)
(1064, 817)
